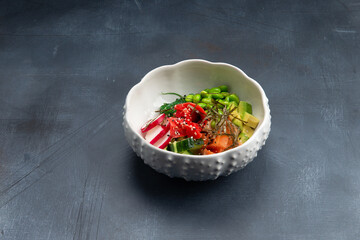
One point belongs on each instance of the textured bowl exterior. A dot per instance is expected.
(194, 167)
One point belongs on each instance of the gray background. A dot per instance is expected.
(66, 171)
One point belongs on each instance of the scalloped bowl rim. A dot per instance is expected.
(255, 83)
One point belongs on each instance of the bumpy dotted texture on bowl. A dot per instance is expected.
(195, 168)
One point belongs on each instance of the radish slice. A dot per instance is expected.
(164, 141)
(152, 123)
(157, 132)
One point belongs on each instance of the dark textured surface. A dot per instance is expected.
(66, 171)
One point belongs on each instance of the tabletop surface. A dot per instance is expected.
(66, 171)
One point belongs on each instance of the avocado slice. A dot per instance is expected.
(244, 107)
(250, 120)
(243, 138)
(235, 116)
(248, 131)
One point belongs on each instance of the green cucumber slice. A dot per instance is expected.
(188, 144)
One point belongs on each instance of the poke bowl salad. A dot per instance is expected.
(211, 121)
(196, 119)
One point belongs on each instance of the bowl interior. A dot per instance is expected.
(186, 77)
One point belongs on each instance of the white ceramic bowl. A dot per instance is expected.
(191, 76)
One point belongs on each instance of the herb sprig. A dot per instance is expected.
(168, 108)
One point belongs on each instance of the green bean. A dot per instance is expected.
(223, 103)
(213, 124)
(223, 88)
(227, 98)
(234, 98)
(209, 105)
(231, 106)
(225, 94)
(220, 112)
(189, 98)
(203, 105)
(217, 96)
(197, 98)
(215, 90)
(204, 94)
(234, 103)
(206, 100)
